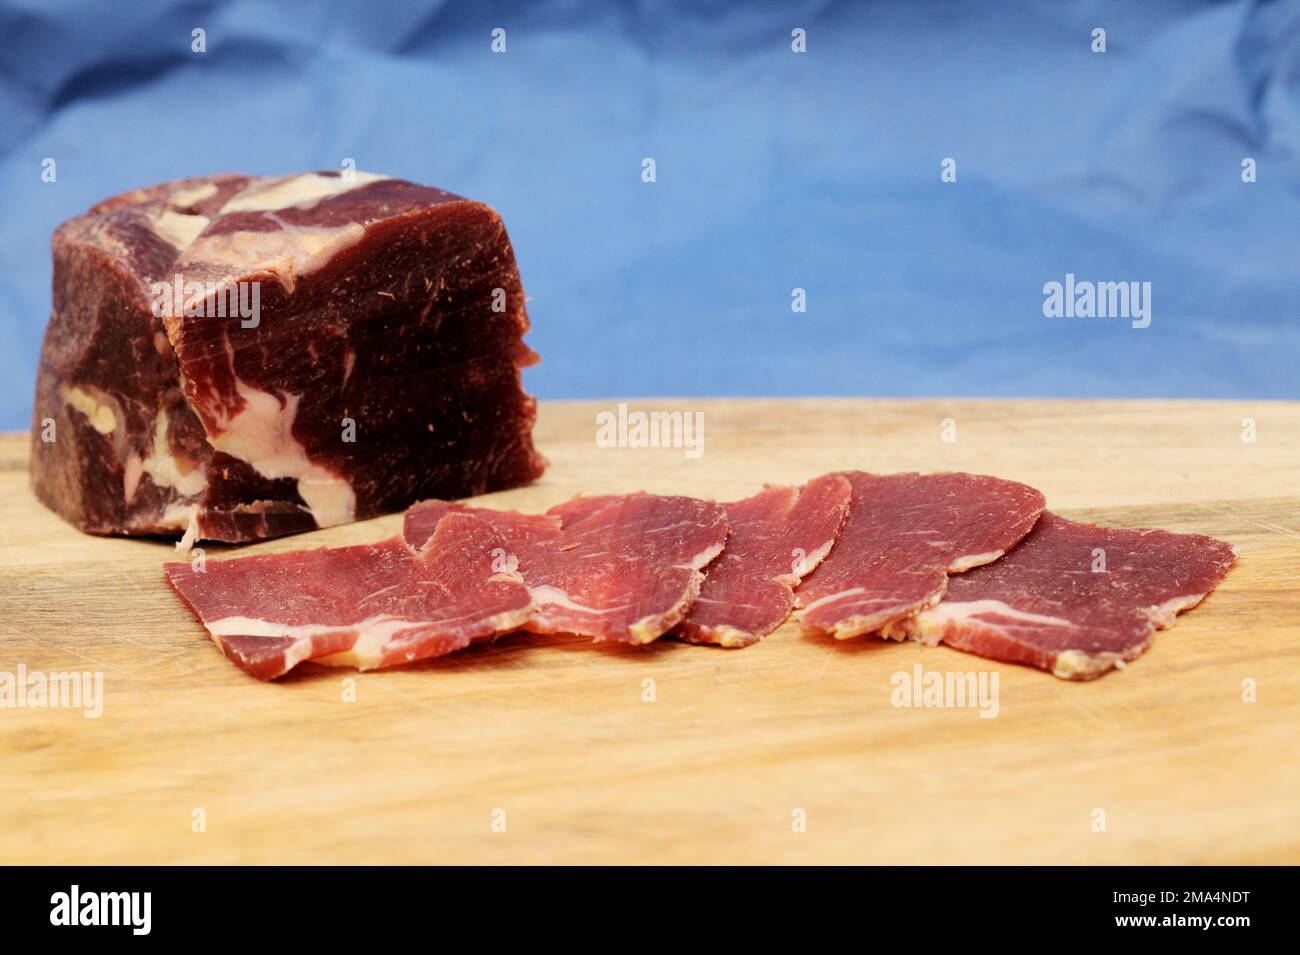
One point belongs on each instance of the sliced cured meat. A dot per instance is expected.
(904, 534)
(777, 537)
(236, 357)
(625, 567)
(621, 568)
(1075, 599)
(520, 532)
(367, 606)
(616, 567)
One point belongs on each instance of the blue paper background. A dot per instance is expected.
(775, 170)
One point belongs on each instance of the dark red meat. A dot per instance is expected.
(1075, 599)
(617, 567)
(777, 537)
(904, 534)
(368, 606)
(382, 366)
(626, 567)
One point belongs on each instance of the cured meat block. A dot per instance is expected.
(777, 537)
(615, 567)
(1075, 599)
(904, 534)
(237, 358)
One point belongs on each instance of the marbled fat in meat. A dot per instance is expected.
(383, 365)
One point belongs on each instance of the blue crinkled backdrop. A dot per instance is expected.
(775, 170)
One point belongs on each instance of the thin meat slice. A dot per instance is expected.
(367, 606)
(1075, 599)
(625, 567)
(904, 534)
(616, 567)
(778, 536)
(518, 532)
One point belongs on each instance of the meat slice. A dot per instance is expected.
(1076, 599)
(616, 567)
(904, 534)
(367, 606)
(237, 357)
(625, 567)
(777, 537)
(519, 532)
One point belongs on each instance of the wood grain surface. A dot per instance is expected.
(556, 736)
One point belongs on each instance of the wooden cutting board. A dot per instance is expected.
(564, 741)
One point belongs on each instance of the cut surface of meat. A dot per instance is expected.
(622, 567)
(368, 606)
(1075, 599)
(778, 536)
(236, 357)
(905, 533)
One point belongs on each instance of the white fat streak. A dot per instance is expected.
(371, 646)
(810, 563)
(132, 471)
(962, 564)
(731, 637)
(102, 414)
(1162, 615)
(180, 515)
(296, 653)
(305, 190)
(261, 433)
(237, 626)
(368, 650)
(179, 229)
(957, 566)
(928, 626)
(373, 635)
(650, 627)
(831, 598)
(547, 596)
(705, 556)
(188, 197)
(185, 516)
(879, 621)
(653, 626)
(162, 467)
(289, 252)
(1073, 664)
